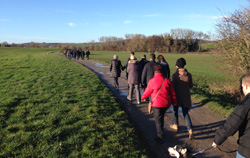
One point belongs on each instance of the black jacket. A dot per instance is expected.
(115, 68)
(148, 72)
(182, 81)
(239, 120)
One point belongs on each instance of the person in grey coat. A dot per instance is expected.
(115, 69)
(134, 78)
(182, 81)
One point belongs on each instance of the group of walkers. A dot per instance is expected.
(76, 54)
(153, 78)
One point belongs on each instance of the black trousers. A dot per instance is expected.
(159, 119)
(116, 84)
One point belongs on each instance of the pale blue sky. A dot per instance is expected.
(81, 21)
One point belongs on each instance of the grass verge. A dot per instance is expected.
(52, 107)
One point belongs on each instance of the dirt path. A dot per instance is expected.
(204, 121)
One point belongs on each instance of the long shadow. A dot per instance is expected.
(226, 100)
(202, 132)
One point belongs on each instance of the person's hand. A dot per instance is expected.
(214, 145)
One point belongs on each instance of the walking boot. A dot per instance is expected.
(191, 134)
(174, 127)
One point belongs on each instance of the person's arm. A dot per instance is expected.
(121, 68)
(147, 91)
(231, 125)
(110, 68)
(173, 94)
(190, 80)
(174, 81)
(144, 74)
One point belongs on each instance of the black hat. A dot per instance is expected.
(181, 63)
(132, 53)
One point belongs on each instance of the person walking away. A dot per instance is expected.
(239, 120)
(126, 64)
(143, 62)
(134, 77)
(148, 70)
(115, 69)
(182, 81)
(87, 54)
(83, 54)
(163, 95)
(164, 65)
(79, 52)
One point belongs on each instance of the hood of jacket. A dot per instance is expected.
(183, 74)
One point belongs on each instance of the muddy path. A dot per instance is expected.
(204, 121)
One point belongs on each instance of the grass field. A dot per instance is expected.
(211, 83)
(53, 107)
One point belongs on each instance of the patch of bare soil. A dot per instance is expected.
(204, 122)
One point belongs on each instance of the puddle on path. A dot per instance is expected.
(108, 73)
(123, 93)
(101, 72)
(100, 65)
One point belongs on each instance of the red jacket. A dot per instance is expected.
(166, 96)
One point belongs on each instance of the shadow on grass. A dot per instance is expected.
(225, 100)
(9, 109)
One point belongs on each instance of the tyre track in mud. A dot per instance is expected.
(204, 121)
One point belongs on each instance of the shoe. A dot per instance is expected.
(174, 127)
(191, 134)
(138, 103)
(159, 140)
(145, 100)
(128, 98)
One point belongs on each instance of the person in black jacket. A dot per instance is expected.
(87, 54)
(148, 70)
(83, 54)
(115, 69)
(164, 65)
(182, 81)
(239, 120)
(143, 62)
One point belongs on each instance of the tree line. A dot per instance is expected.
(177, 41)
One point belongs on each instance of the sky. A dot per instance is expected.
(80, 21)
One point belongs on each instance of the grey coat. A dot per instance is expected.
(115, 68)
(134, 72)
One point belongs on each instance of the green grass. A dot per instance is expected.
(210, 81)
(53, 107)
(208, 47)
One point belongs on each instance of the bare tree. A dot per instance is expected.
(234, 34)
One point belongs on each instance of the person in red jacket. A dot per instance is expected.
(162, 95)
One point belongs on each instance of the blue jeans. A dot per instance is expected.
(239, 155)
(185, 114)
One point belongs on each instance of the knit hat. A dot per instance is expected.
(115, 56)
(132, 53)
(181, 63)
